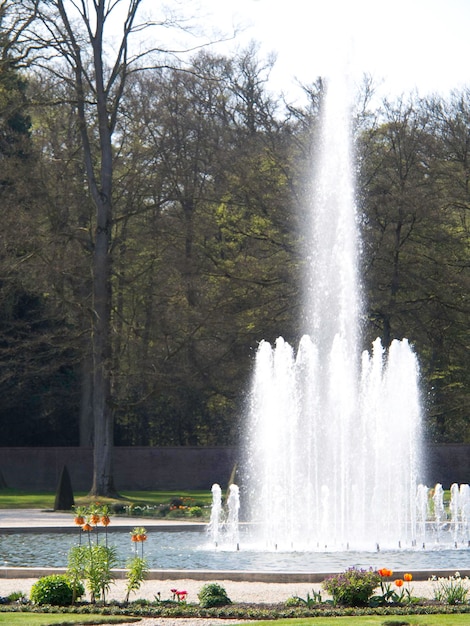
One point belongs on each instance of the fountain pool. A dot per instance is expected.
(192, 550)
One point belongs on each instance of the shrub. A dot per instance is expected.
(195, 511)
(56, 589)
(353, 587)
(213, 594)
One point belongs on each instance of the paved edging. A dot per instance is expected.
(234, 575)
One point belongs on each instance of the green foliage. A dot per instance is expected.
(77, 564)
(207, 255)
(213, 594)
(452, 590)
(17, 596)
(387, 593)
(137, 569)
(353, 587)
(56, 589)
(100, 561)
(310, 600)
(195, 511)
(92, 563)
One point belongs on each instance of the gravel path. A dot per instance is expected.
(249, 592)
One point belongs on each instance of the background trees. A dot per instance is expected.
(210, 251)
(200, 255)
(415, 202)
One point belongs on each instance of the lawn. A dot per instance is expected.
(375, 620)
(37, 619)
(15, 499)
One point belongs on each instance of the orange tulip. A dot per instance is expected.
(408, 577)
(399, 582)
(384, 572)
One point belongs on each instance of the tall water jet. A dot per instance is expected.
(334, 436)
(233, 506)
(215, 522)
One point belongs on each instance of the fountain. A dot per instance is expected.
(334, 440)
(334, 437)
(223, 526)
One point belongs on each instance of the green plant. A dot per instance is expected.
(76, 567)
(309, 601)
(387, 595)
(92, 562)
(98, 571)
(55, 589)
(353, 587)
(213, 594)
(137, 568)
(17, 596)
(451, 590)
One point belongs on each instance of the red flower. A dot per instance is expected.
(408, 577)
(399, 582)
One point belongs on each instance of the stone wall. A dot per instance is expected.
(136, 468)
(141, 468)
(447, 463)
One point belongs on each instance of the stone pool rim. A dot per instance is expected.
(232, 575)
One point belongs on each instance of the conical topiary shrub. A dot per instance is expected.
(64, 495)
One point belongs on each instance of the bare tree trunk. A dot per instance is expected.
(103, 483)
(86, 402)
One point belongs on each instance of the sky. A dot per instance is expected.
(406, 45)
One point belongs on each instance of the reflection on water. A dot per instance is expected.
(193, 551)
